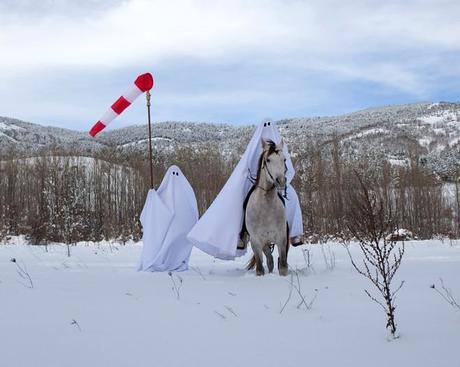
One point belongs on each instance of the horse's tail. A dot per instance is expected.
(251, 263)
(287, 238)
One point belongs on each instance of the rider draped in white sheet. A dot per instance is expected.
(218, 230)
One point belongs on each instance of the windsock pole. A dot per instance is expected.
(147, 96)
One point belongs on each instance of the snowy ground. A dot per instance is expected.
(93, 309)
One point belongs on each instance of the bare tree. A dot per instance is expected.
(370, 222)
(61, 196)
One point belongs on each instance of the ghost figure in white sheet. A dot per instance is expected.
(218, 230)
(168, 215)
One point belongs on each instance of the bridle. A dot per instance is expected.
(264, 166)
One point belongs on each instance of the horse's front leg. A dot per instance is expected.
(259, 258)
(282, 259)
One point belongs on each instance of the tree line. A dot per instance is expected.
(59, 196)
(417, 198)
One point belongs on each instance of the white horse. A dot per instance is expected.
(265, 213)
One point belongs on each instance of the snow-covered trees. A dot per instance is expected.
(69, 199)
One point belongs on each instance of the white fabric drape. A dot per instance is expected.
(168, 215)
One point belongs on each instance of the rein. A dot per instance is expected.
(268, 171)
(264, 166)
(273, 180)
(255, 180)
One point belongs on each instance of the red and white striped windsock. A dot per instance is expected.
(142, 84)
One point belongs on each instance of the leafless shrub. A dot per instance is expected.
(21, 269)
(308, 259)
(198, 271)
(223, 317)
(289, 295)
(76, 324)
(328, 257)
(307, 256)
(113, 247)
(229, 309)
(370, 221)
(176, 283)
(446, 294)
(295, 284)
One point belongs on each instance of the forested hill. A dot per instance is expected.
(385, 134)
(62, 185)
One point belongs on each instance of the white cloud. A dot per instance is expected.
(397, 44)
(139, 30)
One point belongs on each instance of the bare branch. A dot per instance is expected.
(446, 294)
(176, 285)
(229, 309)
(289, 295)
(75, 322)
(375, 300)
(23, 273)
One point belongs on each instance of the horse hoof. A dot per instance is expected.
(260, 273)
(283, 272)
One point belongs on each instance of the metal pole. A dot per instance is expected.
(147, 96)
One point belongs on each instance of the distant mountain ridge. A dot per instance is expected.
(28, 137)
(390, 133)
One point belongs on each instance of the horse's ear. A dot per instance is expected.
(281, 144)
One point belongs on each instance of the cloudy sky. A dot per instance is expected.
(63, 62)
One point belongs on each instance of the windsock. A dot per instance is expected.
(142, 84)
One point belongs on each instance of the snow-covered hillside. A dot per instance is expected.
(29, 137)
(93, 309)
(386, 134)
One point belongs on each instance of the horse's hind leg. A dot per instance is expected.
(259, 259)
(269, 256)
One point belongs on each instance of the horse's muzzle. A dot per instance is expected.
(280, 184)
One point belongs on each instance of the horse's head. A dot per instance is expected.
(273, 164)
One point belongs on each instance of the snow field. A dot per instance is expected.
(93, 309)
